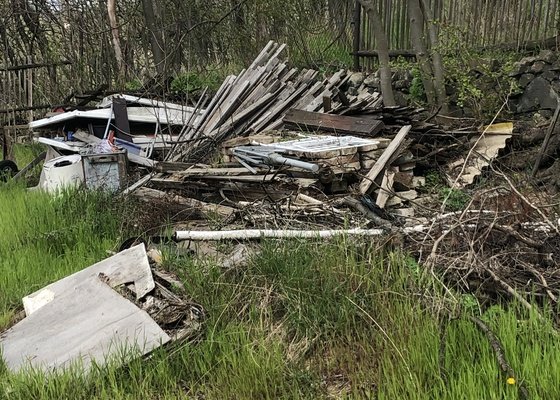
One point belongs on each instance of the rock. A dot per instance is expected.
(547, 56)
(538, 95)
(402, 84)
(408, 75)
(519, 69)
(527, 61)
(538, 67)
(556, 86)
(550, 75)
(494, 65)
(356, 79)
(372, 81)
(546, 114)
(401, 99)
(525, 79)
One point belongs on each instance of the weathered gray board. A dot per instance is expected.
(86, 323)
(130, 265)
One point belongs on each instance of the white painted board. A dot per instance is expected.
(86, 323)
(130, 265)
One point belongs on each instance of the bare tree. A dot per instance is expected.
(383, 52)
(419, 44)
(439, 72)
(156, 41)
(111, 12)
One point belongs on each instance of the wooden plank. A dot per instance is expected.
(130, 265)
(333, 123)
(386, 190)
(384, 159)
(36, 161)
(88, 323)
(151, 195)
(194, 172)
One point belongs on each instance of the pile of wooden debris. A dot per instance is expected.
(282, 152)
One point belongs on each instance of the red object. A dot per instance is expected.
(111, 137)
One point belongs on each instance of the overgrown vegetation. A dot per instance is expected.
(437, 186)
(480, 81)
(306, 319)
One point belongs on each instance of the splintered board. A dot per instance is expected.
(363, 125)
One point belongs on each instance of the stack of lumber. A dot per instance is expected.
(257, 99)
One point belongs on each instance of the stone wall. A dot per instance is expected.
(539, 80)
(537, 77)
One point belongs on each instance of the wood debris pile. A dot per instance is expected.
(277, 148)
(257, 99)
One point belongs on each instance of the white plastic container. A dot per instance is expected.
(62, 172)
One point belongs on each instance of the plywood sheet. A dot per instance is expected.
(87, 323)
(130, 265)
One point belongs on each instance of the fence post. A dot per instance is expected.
(7, 150)
(357, 24)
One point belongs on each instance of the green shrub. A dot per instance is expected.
(455, 199)
(194, 82)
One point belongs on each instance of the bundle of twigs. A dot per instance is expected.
(495, 254)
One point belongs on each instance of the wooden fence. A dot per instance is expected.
(478, 23)
(25, 91)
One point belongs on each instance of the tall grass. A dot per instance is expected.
(44, 238)
(306, 319)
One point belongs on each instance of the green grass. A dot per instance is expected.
(44, 238)
(306, 319)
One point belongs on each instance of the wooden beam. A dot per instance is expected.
(365, 126)
(392, 53)
(33, 66)
(356, 22)
(386, 190)
(547, 137)
(31, 108)
(384, 159)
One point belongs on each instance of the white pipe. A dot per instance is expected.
(270, 233)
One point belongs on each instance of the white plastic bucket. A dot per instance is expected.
(62, 172)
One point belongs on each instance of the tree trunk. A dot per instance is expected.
(111, 12)
(383, 52)
(156, 42)
(417, 39)
(437, 60)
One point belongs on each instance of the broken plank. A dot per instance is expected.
(384, 159)
(130, 265)
(151, 195)
(386, 190)
(87, 324)
(333, 123)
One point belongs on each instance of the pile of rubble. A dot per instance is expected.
(539, 79)
(279, 152)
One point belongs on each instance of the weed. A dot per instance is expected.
(417, 92)
(309, 319)
(133, 85)
(455, 199)
(194, 82)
